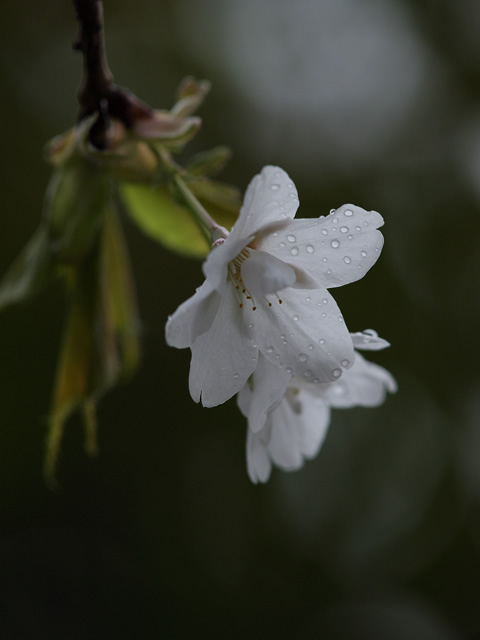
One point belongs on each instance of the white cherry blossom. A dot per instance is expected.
(266, 292)
(286, 430)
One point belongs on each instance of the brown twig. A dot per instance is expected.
(97, 92)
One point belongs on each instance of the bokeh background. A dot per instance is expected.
(375, 102)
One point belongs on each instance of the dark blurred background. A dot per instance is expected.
(163, 536)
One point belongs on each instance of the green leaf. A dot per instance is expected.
(167, 222)
(209, 163)
(100, 344)
(75, 200)
(31, 271)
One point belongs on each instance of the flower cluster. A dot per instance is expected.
(264, 326)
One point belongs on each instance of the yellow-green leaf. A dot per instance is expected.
(163, 219)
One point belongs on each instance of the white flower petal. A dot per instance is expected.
(305, 335)
(271, 197)
(332, 251)
(262, 273)
(192, 318)
(368, 340)
(365, 384)
(222, 357)
(262, 393)
(313, 423)
(259, 466)
(215, 267)
(298, 428)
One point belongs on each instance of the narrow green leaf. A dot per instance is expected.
(209, 163)
(100, 344)
(31, 271)
(75, 200)
(160, 217)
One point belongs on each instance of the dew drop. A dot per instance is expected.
(282, 244)
(335, 244)
(250, 326)
(310, 347)
(270, 349)
(310, 248)
(324, 259)
(236, 375)
(324, 232)
(335, 220)
(316, 380)
(308, 373)
(347, 259)
(343, 229)
(294, 251)
(303, 357)
(296, 318)
(275, 187)
(324, 315)
(325, 300)
(308, 299)
(340, 318)
(348, 213)
(332, 211)
(364, 254)
(291, 238)
(357, 228)
(345, 363)
(336, 373)
(289, 370)
(322, 341)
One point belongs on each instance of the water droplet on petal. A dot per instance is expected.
(308, 373)
(336, 373)
(324, 259)
(324, 315)
(236, 375)
(357, 228)
(324, 232)
(364, 254)
(250, 325)
(289, 370)
(275, 187)
(296, 318)
(343, 229)
(335, 244)
(316, 380)
(310, 347)
(325, 300)
(282, 244)
(294, 251)
(322, 341)
(345, 363)
(308, 299)
(350, 237)
(347, 260)
(348, 213)
(332, 211)
(303, 357)
(310, 248)
(340, 318)
(270, 349)
(291, 238)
